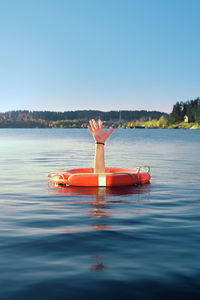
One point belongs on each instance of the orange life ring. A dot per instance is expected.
(111, 177)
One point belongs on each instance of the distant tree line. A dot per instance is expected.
(127, 115)
(121, 119)
(79, 118)
(96, 114)
(191, 109)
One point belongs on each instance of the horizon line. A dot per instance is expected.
(116, 110)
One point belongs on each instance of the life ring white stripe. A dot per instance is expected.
(101, 180)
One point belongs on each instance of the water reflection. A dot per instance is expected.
(97, 266)
(98, 192)
(100, 199)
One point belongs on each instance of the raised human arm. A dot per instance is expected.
(100, 136)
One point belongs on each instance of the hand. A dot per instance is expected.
(97, 131)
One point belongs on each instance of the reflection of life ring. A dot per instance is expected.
(111, 177)
(99, 191)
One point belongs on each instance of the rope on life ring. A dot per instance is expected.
(101, 176)
(142, 168)
(111, 177)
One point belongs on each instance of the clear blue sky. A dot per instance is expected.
(98, 54)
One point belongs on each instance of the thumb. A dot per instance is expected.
(109, 132)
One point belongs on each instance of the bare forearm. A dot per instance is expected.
(100, 136)
(99, 163)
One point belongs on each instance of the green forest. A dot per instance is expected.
(73, 119)
(191, 109)
(184, 115)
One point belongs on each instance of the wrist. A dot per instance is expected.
(99, 143)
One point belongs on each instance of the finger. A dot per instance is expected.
(94, 124)
(91, 124)
(90, 129)
(100, 124)
(109, 132)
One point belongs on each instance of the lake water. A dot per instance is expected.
(140, 242)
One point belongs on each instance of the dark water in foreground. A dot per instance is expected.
(128, 243)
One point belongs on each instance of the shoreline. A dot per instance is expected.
(132, 128)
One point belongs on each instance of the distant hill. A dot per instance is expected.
(25, 118)
(79, 118)
(189, 110)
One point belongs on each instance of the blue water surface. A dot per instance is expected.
(140, 242)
